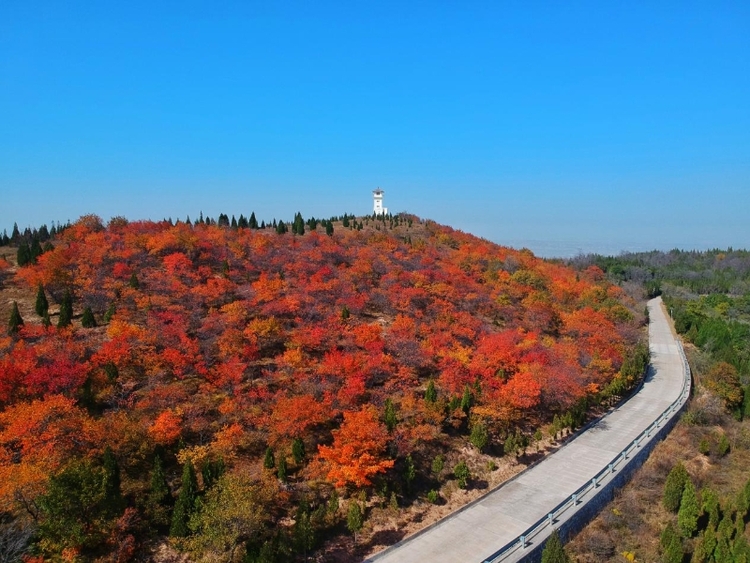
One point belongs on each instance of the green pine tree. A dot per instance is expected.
(431, 394)
(687, 517)
(66, 310)
(211, 471)
(298, 451)
(35, 250)
(554, 552)
(23, 254)
(410, 473)
(303, 533)
(354, 519)
(88, 320)
(133, 282)
(466, 400)
(15, 322)
(479, 436)
(71, 512)
(110, 312)
(674, 487)
(671, 546)
(281, 469)
(159, 497)
(185, 505)
(329, 228)
(42, 305)
(113, 501)
(389, 415)
(710, 506)
(268, 461)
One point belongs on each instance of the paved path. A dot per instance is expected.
(475, 533)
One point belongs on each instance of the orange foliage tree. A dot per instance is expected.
(358, 449)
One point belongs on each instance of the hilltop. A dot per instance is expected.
(249, 391)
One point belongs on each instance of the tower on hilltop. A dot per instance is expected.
(377, 204)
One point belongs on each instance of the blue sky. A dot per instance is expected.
(586, 125)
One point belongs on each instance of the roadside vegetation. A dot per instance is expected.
(690, 500)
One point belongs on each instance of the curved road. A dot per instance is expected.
(476, 532)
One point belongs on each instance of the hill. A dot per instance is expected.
(249, 391)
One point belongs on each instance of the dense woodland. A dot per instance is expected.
(248, 391)
(696, 485)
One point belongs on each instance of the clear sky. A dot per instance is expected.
(586, 125)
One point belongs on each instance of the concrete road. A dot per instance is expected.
(476, 532)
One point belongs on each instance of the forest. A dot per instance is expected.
(236, 391)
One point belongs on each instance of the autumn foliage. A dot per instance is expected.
(217, 343)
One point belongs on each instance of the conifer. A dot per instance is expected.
(674, 487)
(268, 461)
(113, 501)
(466, 400)
(159, 496)
(16, 322)
(185, 505)
(431, 394)
(389, 415)
(671, 546)
(298, 450)
(66, 310)
(35, 251)
(554, 552)
(354, 518)
(88, 320)
(23, 254)
(42, 305)
(687, 517)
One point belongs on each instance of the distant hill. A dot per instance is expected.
(227, 385)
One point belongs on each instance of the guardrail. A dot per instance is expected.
(523, 540)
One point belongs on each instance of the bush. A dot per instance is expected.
(479, 437)
(437, 465)
(723, 446)
(704, 446)
(433, 496)
(462, 474)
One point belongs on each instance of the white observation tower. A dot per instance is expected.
(377, 205)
